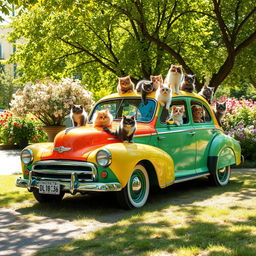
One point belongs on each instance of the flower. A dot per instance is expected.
(50, 101)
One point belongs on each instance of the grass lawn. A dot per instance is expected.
(186, 219)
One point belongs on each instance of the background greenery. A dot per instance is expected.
(102, 39)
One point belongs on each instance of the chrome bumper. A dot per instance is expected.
(73, 186)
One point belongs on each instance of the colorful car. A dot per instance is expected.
(85, 159)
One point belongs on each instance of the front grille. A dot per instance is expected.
(61, 170)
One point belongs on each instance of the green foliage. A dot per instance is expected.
(240, 123)
(116, 38)
(20, 131)
(7, 88)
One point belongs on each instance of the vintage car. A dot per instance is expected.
(85, 159)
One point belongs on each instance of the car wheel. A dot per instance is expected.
(221, 176)
(135, 193)
(45, 198)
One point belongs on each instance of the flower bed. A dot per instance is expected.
(20, 131)
(240, 123)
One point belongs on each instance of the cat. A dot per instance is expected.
(125, 129)
(145, 87)
(220, 111)
(207, 93)
(164, 95)
(102, 118)
(197, 113)
(125, 85)
(188, 84)
(78, 115)
(174, 77)
(177, 114)
(157, 81)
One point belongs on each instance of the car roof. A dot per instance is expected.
(152, 95)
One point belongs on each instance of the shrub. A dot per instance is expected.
(50, 101)
(240, 123)
(20, 131)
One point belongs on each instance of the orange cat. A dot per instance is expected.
(157, 81)
(102, 118)
(197, 112)
(125, 85)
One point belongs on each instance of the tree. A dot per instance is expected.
(115, 38)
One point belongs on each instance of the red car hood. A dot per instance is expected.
(73, 143)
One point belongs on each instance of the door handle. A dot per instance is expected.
(161, 137)
(192, 133)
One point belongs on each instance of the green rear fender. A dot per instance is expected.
(224, 151)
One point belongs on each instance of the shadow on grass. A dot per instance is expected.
(103, 207)
(197, 238)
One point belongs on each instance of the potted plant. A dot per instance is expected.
(50, 102)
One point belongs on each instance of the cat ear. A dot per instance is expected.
(183, 109)
(194, 75)
(82, 105)
(124, 117)
(97, 111)
(151, 77)
(205, 86)
(133, 117)
(174, 107)
(107, 111)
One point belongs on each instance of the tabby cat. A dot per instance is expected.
(145, 87)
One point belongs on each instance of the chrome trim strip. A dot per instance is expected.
(59, 171)
(76, 187)
(144, 135)
(191, 177)
(189, 130)
(61, 162)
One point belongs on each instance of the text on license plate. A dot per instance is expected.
(49, 187)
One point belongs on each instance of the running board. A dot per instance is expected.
(192, 177)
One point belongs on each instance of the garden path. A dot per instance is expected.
(10, 161)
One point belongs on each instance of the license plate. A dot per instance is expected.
(49, 187)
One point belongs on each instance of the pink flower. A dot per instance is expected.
(10, 139)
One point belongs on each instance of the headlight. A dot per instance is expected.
(26, 156)
(103, 158)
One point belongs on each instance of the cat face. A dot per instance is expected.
(207, 91)
(128, 121)
(77, 109)
(157, 79)
(125, 82)
(189, 78)
(197, 112)
(177, 111)
(102, 118)
(148, 86)
(176, 69)
(165, 90)
(221, 107)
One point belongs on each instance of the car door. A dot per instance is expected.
(204, 133)
(178, 141)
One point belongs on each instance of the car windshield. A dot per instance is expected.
(127, 106)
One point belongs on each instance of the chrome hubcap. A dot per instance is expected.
(136, 185)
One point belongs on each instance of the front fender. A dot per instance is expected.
(38, 149)
(126, 155)
(224, 151)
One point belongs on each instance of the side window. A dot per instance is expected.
(178, 113)
(200, 113)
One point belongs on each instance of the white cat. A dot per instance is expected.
(174, 77)
(164, 95)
